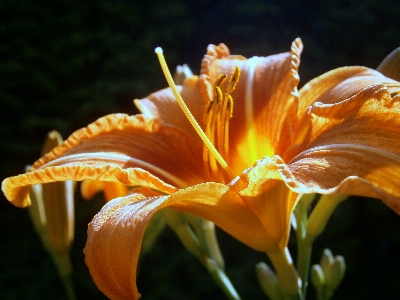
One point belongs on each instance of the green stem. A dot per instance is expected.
(214, 261)
(286, 272)
(221, 279)
(304, 245)
(321, 213)
(304, 249)
(177, 222)
(198, 236)
(213, 249)
(64, 268)
(69, 287)
(309, 229)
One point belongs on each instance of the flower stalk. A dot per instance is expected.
(304, 246)
(309, 228)
(320, 215)
(269, 281)
(328, 274)
(287, 274)
(199, 237)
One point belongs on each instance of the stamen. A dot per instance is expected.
(220, 130)
(210, 160)
(217, 114)
(226, 121)
(189, 115)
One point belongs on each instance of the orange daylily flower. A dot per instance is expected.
(337, 135)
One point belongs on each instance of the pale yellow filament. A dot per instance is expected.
(211, 128)
(217, 113)
(189, 115)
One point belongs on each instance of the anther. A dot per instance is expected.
(215, 154)
(217, 114)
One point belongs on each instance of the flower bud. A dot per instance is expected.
(269, 281)
(53, 216)
(327, 276)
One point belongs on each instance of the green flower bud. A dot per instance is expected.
(327, 276)
(53, 216)
(268, 280)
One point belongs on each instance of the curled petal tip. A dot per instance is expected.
(390, 66)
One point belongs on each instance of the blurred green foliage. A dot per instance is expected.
(64, 63)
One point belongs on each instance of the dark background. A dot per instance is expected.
(63, 64)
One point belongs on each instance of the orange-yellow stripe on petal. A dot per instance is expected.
(114, 242)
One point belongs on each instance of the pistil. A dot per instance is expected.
(210, 146)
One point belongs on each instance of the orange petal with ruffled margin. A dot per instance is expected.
(264, 101)
(353, 148)
(335, 86)
(358, 137)
(133, 150)
(320, 88)
(267, 88)
(263, 188)
(116, 232)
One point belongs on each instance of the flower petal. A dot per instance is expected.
(113, 246)
(264, 189)
(266, 90)
(116, 232)
(335, 86)
(89, 188)
(390, 66)
(163, 105)
(218, 203)
(353, 148)
(111, 190)
(320, 88)
(339, 84)
(134, 150)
